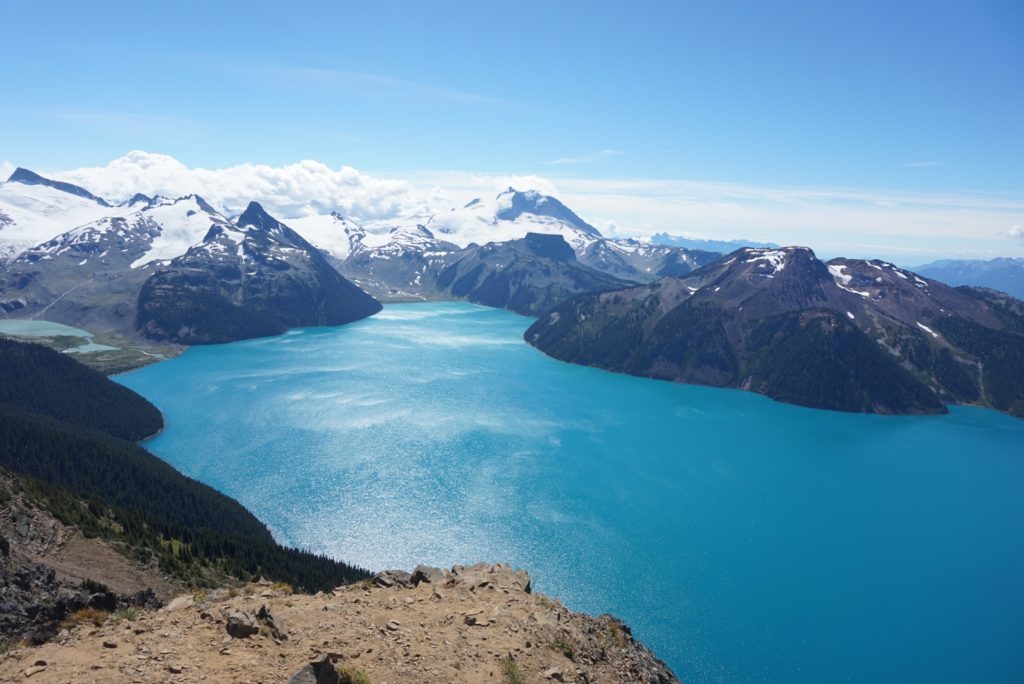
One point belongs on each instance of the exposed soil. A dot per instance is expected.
(473, 624)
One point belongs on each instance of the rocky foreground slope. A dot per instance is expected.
(472, 624)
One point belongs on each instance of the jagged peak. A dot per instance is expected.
(255, 215)
(139, 198)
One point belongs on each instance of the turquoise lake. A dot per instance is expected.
(742, 539)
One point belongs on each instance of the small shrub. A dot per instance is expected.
(512, 673)
(130, 613)
(93, 587)
(349, 674)
(12, 644)
(562, 645)
(617, 636)
(92, 615)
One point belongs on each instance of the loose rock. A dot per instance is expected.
(241, 625)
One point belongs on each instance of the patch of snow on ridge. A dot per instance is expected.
(843, 280)
(773, 258)
(928, 330)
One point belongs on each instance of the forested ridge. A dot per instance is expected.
(40, 380)
(73, 460)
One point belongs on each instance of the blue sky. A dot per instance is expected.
(894, 97)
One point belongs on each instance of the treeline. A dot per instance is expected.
(198, 557)
(112, 488)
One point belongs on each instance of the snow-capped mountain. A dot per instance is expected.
(333, 234)
(401, 264)
(399, 260)
(251, 278)
(34, 209)
(181, 223)
(90, 276)
(510, 216)
(82, 260)
(641, 260)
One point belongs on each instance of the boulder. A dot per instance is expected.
(484, 576)
(320, 671)
(427, 573)
(389, 578)
(274, 624)
(179, 603)
(241, 624)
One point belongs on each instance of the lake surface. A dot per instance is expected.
(742, 539)
(34, 328)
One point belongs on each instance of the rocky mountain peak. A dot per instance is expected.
(138, 198)
(255, 215)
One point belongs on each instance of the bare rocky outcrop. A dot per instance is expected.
(49, 570)
(473, 624)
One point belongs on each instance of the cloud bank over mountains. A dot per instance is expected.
(909, 227)
(299, 189)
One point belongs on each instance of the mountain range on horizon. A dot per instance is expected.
(154, 270)
(105, 266)
(1001, 273)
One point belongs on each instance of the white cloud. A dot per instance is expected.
(289, 191)
(586, 158)
(853, 222)
(6, 169)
